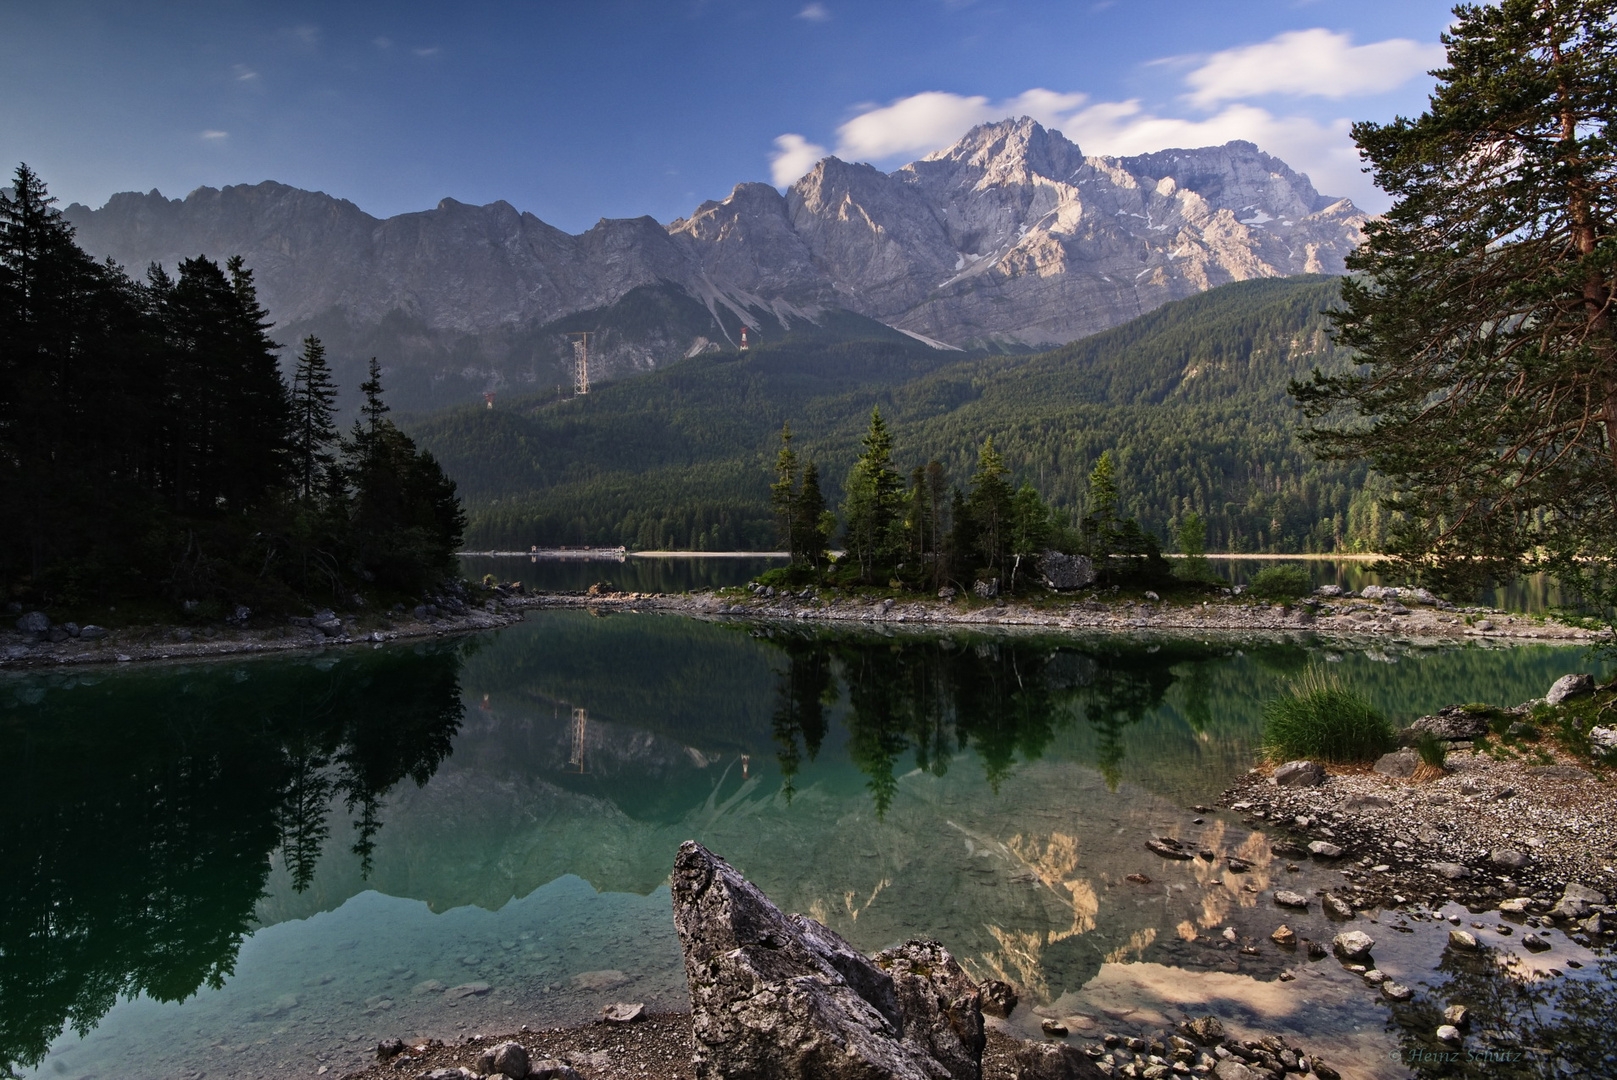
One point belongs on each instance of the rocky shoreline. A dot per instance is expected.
(660, 1046)
(1379, 617)
(1512, 820)
(44, 645)
(36, 642)
(783, 995)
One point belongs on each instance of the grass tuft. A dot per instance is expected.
(1434, 753)
(1320, 719)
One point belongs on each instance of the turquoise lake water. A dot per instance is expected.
(258, 867)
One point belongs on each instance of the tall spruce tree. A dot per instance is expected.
(1481, 308)
(406, 519)
(784, 496)
(314, 429)
(76, 387)
(872, 511)
(1102, 530)
(814, 524)
(990, 507)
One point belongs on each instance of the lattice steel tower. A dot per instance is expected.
(581, 362)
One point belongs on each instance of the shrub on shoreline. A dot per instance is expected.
(1281, 583)
(1320, 719)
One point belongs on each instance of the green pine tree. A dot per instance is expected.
(872, 512)
(314, 431)
(784, 498)
(990, 506)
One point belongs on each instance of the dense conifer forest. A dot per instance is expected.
(1190, 400)
(151, 449)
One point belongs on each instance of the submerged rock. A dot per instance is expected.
(1169, 848)
(1353, 945)
(781, 996)
(998, 998)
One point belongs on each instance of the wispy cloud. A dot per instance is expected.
(1310, 62)
(383, 43)
(432, 50)
(244, 73)
(792, 157)
(305, 35)
(815, 12)
(213, 136)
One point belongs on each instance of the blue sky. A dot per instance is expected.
(581, 109)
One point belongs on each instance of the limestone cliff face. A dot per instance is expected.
(1012, 235)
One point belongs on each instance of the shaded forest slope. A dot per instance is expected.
(1191, 399)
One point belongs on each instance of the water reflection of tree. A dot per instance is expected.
(931, 698)
(141, 813)
(799, 722)
(1527, 1026)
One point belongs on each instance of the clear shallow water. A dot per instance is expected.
(247, 867)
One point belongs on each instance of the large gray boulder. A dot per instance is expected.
(1399, 763)
(781, 997)
(1451, 723)
(1300, 774)
(1570, 686)
(35, 622)
(1066, 571)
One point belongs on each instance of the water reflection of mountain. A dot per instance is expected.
(988, 788)
(141, 810)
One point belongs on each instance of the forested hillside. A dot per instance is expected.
(1191, 399)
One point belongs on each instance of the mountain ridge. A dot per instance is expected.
(1010, 238)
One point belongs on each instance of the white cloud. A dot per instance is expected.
(916, 124)
(1325, 151)
(1310, 62)
(815, 12)
(214, 136)
(433, 51)
(383, 43)
(1304, 63)
(793, 156)
(934, 119)
(244, 73)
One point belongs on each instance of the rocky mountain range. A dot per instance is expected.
(1011, 238)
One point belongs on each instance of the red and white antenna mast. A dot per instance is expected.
(743, 339)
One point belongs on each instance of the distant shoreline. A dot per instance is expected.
(619, 554)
